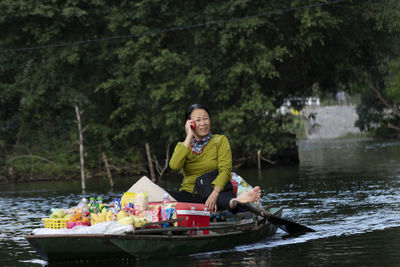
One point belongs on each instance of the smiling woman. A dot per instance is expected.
(206, 161)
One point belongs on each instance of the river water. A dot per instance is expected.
(346, 190)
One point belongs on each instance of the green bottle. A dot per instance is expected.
(92, 205)
(100, 205)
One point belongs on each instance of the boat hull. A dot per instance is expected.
(98, 246)
(75, 247)
(164, 246)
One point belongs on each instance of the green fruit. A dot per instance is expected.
(57, 213)
(68, 216)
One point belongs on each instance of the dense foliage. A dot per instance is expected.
(379, 110)
(134, 66)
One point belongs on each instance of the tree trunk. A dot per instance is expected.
(82, 161)
(161, 169)
(11, 173)
(151, 167)
(107, 169)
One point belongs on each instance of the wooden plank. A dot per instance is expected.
(183, 229)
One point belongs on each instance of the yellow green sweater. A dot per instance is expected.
(215, 156)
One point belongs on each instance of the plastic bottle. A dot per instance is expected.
(83, 203)
(166, 199)
(84, 206)
(164, 207)
(100, 205)
(92, 205)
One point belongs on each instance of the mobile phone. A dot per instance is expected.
(192, 125)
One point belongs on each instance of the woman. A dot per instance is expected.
(206, 161)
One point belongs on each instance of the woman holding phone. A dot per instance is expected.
(206, 161)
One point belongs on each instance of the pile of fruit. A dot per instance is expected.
(77, 219)
(80, 215)
(99, 217)
(125, 218)
(131, 209)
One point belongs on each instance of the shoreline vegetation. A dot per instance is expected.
(28, 167)
(33, 168)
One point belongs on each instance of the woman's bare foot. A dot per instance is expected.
(249, 196)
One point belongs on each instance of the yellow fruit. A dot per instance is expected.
(126, 220)
(136, 223)
(121, 214)
(100, 217)
(109, 216)
(94, 218)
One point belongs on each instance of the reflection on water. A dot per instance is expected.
(347, 190)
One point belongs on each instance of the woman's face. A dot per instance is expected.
(202, 120)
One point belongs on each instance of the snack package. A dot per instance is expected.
(168, 211)
(140, 203)
(168, 215)
(128, 197)
(130, 208)
(116, 205)
(154, 213)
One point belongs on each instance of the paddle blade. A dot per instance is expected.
(289, 226)
(286, 225)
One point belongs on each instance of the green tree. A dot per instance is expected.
(134, 67)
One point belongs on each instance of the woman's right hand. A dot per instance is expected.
(189, 133)
(188, 129)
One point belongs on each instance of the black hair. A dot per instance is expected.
(190, 109)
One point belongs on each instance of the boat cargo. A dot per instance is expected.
(194, 230)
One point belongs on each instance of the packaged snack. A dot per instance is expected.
(140, 202)
(117, 205)
(168, 214)
(152, 214)
(167, 211)
(128, 197)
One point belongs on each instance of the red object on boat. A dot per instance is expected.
(194, 215)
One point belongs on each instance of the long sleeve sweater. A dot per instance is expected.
(215, 156)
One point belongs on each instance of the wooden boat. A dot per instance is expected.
(239, 229)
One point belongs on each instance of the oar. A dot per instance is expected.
(286, 225)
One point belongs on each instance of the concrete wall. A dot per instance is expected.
(330, 122)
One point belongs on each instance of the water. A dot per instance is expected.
(347, 190)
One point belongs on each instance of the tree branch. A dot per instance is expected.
(30, 156)
(160, 169)
(393, 127)
(150, 163)
(269, 161)
(4, 178)
(390, 106)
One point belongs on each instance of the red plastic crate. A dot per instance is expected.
(194, 215)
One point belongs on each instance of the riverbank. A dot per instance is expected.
(327, 122)
(32, 170)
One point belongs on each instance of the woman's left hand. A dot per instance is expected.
(211, 202)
